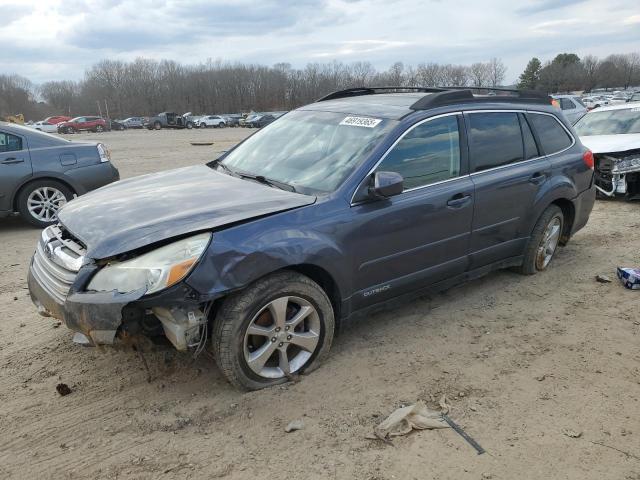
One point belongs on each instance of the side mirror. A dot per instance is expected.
(386, 184)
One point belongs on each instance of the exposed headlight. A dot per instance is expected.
(156, 270)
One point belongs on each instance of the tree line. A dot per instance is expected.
(146, 87)
(568, 72)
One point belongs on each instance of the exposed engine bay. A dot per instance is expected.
(618, 173)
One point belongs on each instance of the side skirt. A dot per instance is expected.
(432, 289)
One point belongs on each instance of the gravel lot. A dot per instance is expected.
(543, 371)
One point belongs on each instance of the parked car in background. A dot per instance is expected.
(80, 124)
(261, 121)
(366, 197)
(618, 99)
(250, 117)
(595, 101)
(170, 120)
(571, 106)
(232, 119)
(133, 122)
(635, 97)
(40, 172)
(116, 125)
(613, 135)
(212, 121)
(43, 126)
(56, 119)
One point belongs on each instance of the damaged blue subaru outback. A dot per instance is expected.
(366, 197)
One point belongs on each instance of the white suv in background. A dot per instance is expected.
(212, 121)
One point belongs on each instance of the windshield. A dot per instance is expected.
(612, 122)
(312, 151)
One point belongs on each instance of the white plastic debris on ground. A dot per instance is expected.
(405, 419)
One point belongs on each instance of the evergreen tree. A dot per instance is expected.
(531, 76)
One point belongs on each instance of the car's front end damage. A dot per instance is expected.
(618, 173)
(124, 295)
(109, 270)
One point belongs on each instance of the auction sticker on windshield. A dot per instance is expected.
(361, 122)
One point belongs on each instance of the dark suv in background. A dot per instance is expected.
(366, 197)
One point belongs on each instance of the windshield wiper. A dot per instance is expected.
(267, 181)
(217, 163)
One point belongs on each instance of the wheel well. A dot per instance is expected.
(326, 281)
(39, 179)
(569, 212)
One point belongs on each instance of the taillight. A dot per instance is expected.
(587, 158)
(104, 153)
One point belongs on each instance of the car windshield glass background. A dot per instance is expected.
(495, 140)
(307, 149)
(612, 122)
(9, 143)
(429, 153)
(553, 137)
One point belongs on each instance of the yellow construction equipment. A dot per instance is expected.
(19, 118)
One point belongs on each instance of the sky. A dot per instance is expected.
(58, 39)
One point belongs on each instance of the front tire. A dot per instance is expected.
(189, 125)
(40, 200)
(280, 325)
(543, 242)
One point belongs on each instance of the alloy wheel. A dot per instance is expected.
(549, 243)
(282, 337)
(44, 202)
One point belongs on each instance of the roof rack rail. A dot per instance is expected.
(447, 95)
(357, 91)
(451, 95)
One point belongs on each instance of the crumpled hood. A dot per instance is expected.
(611, 143)
(143, 210)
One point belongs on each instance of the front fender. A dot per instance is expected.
(238, 256)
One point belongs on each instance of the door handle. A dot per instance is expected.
(538, 178)
(12, 160)
(459, 200)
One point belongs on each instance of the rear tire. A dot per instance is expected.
(40, 200)
(306, 318)
(157, 125)
(543, 242)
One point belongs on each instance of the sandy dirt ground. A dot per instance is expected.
(543, 371)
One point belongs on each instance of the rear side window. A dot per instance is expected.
(9, 143)
(427, 154)
(566, 104)
(530, 147)
(553, 137)
(495, 139)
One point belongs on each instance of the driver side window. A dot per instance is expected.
(428, 153)
(9, 143)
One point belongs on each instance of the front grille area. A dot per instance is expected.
(56, 262)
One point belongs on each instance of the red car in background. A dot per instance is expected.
(78, 124)
(56, 119)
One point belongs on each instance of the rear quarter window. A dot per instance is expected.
(553, 137)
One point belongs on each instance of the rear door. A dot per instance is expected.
(15, 166)
(508, 172)
(420, 236)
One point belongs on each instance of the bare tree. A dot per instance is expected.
(497, 72)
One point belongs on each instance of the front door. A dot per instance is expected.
(15, 167)
(420, 236)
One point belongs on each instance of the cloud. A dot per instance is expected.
(59, 39)
(546, 5)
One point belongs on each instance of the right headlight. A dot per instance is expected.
(155, 270)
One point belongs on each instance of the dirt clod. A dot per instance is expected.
(63, 389)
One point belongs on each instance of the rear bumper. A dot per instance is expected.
(583, 204)
(94, 176)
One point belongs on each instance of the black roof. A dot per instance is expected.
(397, 102)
